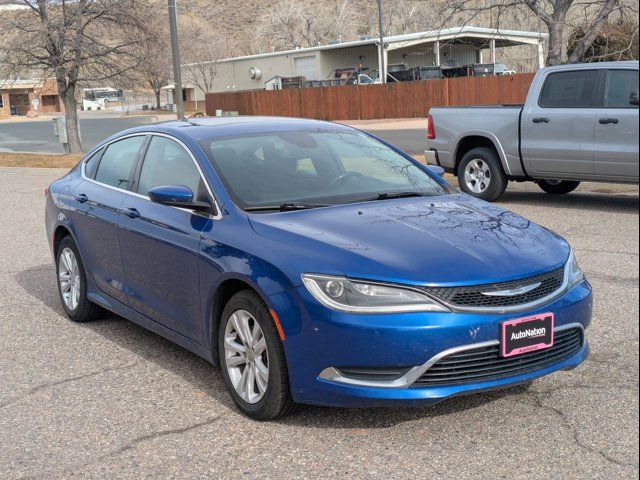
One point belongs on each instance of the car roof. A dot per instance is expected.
(216, 127)
(593, 66)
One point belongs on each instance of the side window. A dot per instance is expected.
(117, 161)
(576, 89)
(167, 163)
(91, 164)
(621, 84)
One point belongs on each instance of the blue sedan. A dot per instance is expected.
(314, 264)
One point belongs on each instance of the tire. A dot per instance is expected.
(480, 174)
(557, 187)
(69, 267)
(257, 401)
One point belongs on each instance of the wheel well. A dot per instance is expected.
(58, 236)
(226, 290)
(469, 143)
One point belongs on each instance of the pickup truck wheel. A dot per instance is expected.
(480, 174)
(558, 187)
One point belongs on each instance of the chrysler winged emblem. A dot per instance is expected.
(514, 291)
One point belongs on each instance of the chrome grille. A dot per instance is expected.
(482, 364)
(476, 296)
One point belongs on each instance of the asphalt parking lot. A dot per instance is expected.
(111, 400)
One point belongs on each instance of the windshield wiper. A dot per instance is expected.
(391, 196)
(284, 207)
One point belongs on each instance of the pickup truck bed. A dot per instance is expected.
(579, 123)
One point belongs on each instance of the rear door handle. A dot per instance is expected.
(607, 121)
(541, 120)
(81, 198)
(132, 213)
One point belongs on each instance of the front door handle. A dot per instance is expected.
(132, 213)
(541, 120)
(607, 121)
(81, 198)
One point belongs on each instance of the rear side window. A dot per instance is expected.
(91, 165)
(167, 163)
(621, 84)
(576, 89)
(118, 161)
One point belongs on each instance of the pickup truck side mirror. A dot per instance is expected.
(634, 98)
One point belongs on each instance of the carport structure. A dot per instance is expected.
(443, 42)
(451, 47)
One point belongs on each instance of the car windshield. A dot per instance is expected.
(304, 169)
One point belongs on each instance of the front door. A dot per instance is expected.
(558, 130)
(616, 141)
(95, 211)
(160, 244)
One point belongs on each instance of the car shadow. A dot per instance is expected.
(584, 201)
(39, 283)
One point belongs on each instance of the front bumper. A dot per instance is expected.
(318, 339)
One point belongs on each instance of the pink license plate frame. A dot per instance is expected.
(526, 329)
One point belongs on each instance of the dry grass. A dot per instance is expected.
(35, 160)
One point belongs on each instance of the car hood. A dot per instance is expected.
(448, 240)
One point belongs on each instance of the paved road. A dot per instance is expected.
(109, 399)
(38, 136)
(412, 141)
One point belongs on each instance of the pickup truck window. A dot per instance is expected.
(574, 89)
(620, 86)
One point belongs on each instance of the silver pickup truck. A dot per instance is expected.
(579, 123)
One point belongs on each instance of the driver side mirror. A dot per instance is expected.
(634, 98)
(178, 196)
(436, 170)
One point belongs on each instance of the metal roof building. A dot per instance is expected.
(448, 47)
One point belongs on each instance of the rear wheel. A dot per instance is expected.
(252, 358)
(72, 284)
(480, 174)
(558, 187)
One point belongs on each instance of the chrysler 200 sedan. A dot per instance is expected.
(314, 264)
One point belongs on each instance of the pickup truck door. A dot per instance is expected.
(616, 139)
(557, 130)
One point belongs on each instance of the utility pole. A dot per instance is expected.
(175, 53)
(383, 67)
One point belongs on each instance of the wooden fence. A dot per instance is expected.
(363, 102)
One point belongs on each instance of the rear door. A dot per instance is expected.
(95, 211)
(558, 130)
(160, 244)
(616, 138)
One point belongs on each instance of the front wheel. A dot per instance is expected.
(558, 187)
(480, 174)
(252, 358)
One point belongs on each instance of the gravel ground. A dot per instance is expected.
(109, 399)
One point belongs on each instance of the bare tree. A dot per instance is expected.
(75, 41)
(155, 67)
(291, 23)
(562, 18)
(407, 16)
(202, 73)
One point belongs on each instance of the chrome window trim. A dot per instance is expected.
(217, 216)
(333, 375)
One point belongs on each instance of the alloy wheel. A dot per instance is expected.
(69, 279)
(246, 356)
(477, 175)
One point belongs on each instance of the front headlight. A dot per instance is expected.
(354, 296)
(573, 271)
